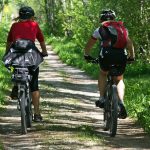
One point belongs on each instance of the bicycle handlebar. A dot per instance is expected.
(44, 55)
(90, 59)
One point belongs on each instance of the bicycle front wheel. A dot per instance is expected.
(106, 111)
(23, 112)
(114, 111)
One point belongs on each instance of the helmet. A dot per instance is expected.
(26, 12)
(107, 15)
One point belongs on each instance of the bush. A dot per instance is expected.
(4, 79)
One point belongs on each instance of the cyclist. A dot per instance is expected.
(109, 54)
(27, 28)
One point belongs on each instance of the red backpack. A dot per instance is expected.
(114, 35)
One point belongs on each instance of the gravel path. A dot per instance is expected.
(71, 120)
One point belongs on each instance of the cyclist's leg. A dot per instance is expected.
(102, 82)
(121, 91)
(36, 101)
(35, 94)
(120, 87)
(120, 59)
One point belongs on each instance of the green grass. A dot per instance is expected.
(137, 97)
(86, 132)
(137, 77)
(1, 146)
(5, 83)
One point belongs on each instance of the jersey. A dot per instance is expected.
(25, 30)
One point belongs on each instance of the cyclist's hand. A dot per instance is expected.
(44, 54)
(88, 58)
(130, 60)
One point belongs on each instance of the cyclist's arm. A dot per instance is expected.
(40, 38)
(43, 47)
(89, 45)
(92, 41)
(130, 48)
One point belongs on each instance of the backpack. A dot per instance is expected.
(113, 34)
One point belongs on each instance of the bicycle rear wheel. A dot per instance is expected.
(29, 112)
(23, 112)
(114, 111)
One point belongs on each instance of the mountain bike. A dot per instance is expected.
(21, 78)
(111, 105)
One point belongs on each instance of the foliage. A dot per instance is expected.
(3, 33)
(137, 99)
(4, 79)
(4, 75)
(1, 146)
(66, 19)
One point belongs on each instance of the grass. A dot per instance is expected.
(86, 132)
(5, 82)
(1, 146)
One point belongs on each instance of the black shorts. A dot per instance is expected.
(113, 57)
(34, 82)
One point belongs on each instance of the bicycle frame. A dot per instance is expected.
(21, 78)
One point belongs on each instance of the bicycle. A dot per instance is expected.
(21, 78)
(111, 106)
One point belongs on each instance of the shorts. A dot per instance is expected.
(34, 86)
(113, 57)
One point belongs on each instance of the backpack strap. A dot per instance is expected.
(107, 40)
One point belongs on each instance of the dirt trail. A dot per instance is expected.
(71, 120)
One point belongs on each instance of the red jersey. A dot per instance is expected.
(25, 30)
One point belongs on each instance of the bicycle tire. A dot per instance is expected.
(23, 112)
(114, 111)
(106, 111)
(29, 112)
